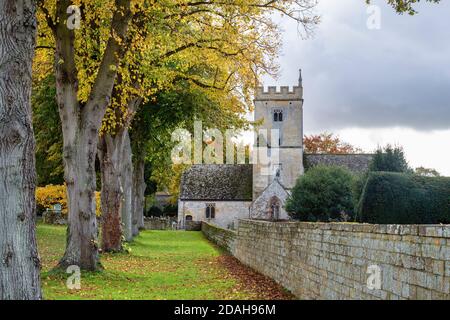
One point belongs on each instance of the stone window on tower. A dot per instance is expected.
(277, 115)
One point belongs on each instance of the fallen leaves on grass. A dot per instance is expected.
(261, 286)
(162, 265)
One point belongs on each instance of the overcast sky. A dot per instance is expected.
(374, 87)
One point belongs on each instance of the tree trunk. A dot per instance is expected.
(109, 153)
(116, 168)
(19, 259)
(117, 178)
(80, 124)
(79, 161)
(127, 180)
(138, 192)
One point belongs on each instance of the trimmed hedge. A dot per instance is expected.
(399, 198)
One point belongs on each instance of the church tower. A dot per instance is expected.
(282, 110)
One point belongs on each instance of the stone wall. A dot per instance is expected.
(357, 163)
(156, 223)
(224, 238)
(331, 260)
(193, 226)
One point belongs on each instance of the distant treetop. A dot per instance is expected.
(402, 6)
(328, 143)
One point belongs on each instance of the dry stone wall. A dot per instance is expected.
(226, 239)
(331, 261)
(335, 260)
(156, 223)
(358, 163)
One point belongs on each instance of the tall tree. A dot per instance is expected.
(19, 264)
(218, 47)
(82, 107)
(88, 59)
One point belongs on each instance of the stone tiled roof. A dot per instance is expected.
(217, 182)
(357, 163)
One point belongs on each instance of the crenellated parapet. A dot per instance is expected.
(279, 93)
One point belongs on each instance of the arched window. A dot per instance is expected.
(210, 212)
(277, 115)
(188, 218)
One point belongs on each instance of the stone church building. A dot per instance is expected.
(223, 193)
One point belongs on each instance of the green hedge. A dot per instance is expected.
(323, 193)
(399, 198)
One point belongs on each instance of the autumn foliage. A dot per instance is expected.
(48, 196)
(328, 143)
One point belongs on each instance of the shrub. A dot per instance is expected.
(398, 198)
(170, 210)
(154, 211)
(323, 193)
(48, 196)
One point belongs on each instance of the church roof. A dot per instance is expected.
(217, 182)
(356, 163)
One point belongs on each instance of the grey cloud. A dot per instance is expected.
(355, 77)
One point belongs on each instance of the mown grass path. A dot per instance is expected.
(160, 265)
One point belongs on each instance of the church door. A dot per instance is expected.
(274, 206)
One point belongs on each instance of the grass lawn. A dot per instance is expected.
(161, 265)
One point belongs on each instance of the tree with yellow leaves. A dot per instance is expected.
(85, 66)
(219, 48)
(113, 53)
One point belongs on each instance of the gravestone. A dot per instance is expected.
(54, 215)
